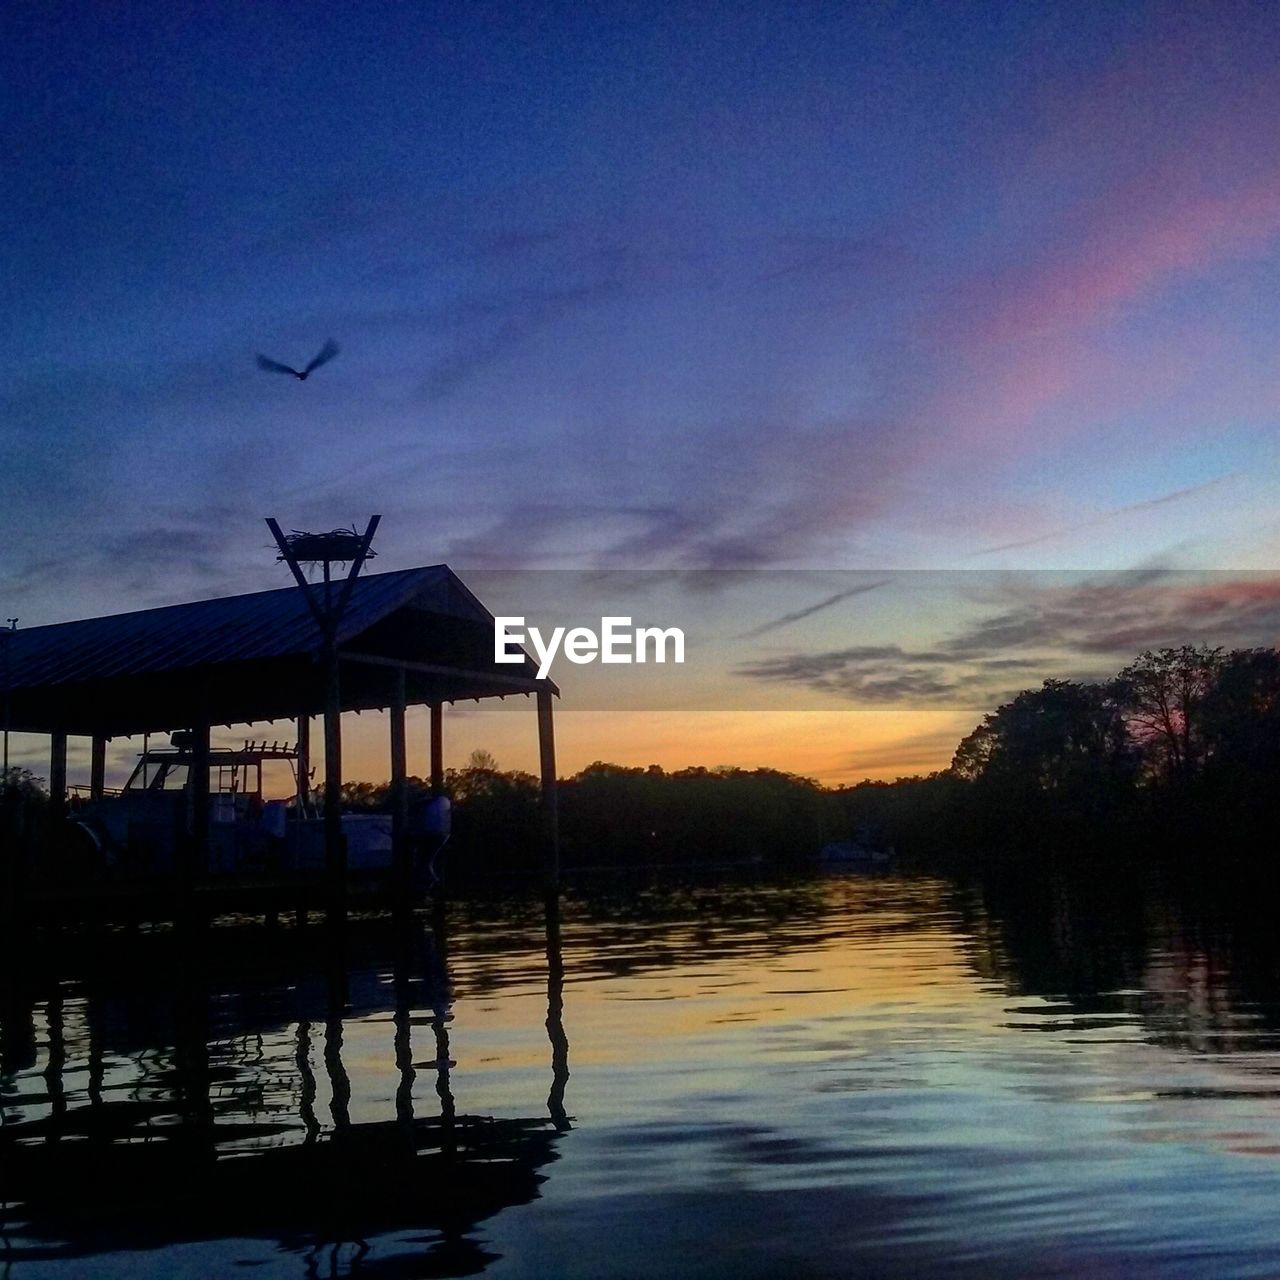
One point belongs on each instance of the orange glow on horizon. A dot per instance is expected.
(835, 747)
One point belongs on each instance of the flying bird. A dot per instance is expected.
(326, 353)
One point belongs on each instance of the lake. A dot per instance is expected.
(833, 1074)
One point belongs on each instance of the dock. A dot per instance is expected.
(414, 637)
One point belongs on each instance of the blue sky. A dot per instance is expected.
(717, 286)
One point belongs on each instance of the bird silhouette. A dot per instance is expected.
(326, 353)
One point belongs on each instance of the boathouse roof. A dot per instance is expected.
(248, 658)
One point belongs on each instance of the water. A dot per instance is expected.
(826, 1076)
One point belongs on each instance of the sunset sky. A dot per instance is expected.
(854, 291)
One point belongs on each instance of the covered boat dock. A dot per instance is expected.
(415, 637)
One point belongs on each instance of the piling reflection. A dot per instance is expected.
(158, 1101)
(555, 1016)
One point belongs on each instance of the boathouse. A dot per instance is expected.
(415, 637)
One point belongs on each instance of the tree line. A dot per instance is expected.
(1180, 743)
(616, 815)
(1170, 719)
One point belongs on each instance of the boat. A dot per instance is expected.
(866, 848)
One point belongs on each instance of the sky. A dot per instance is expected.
(883, 289)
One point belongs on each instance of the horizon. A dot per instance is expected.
(839, 677)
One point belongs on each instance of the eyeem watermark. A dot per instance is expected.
(616, 641)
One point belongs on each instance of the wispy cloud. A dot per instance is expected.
(509, 323)
(1037, 630)
(1107, 517)
(1114, 616)
(787, 618)
(891, 674)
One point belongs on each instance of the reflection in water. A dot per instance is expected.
(832, 1075)
(307, 1077)
(555, 1016)
(440, 1016)
(339, 1085)
(1191, 966)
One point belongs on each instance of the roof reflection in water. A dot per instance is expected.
(241, 1125)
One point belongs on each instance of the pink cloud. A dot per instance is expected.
(1155, 171)
(1043, 392)
(1238, 595)
(1104, 517)
(1039, 335)
(1131, 250)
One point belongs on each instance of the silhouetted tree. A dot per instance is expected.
(23, 785)
(1062, 737)
(1163, 696)
(1241, 711)
(495, 812)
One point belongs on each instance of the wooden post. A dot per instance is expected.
(550, 805)
(198, 863)
(98, 767)
(328, 613)
(335, 845)
(304, 762)
(437, 749)
(57, 773)
(401, 854)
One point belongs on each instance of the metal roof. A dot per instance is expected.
(253, 656)
(263, 624)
